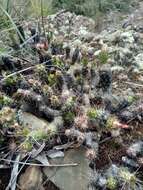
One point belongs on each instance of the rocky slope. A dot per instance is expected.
(88, 87)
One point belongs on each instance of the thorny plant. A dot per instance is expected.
(69, 99)
(129, 180)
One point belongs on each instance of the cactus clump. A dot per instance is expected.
(127, 176)
(93, 113)
(5, 100)
(7, 117)
(111, 183)
(103, 57)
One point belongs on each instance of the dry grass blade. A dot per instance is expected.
(7, 6)
(12, 182)
(42, 15)
(12, 22)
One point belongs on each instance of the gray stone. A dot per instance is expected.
(70, 177)
(112, 171)
(55, 154)
(135, 149)
(101, 182)
(32, 121)
(35, 124)
(129, 162)
(139, 61)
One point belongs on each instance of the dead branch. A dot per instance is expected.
(41, 165)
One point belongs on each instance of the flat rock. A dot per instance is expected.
(139, 61)
(33, 121)
(70, 177)
(31, 179)
(38, 127)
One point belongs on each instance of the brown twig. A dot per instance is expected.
(41, 165)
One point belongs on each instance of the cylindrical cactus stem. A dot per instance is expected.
(75, 133)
